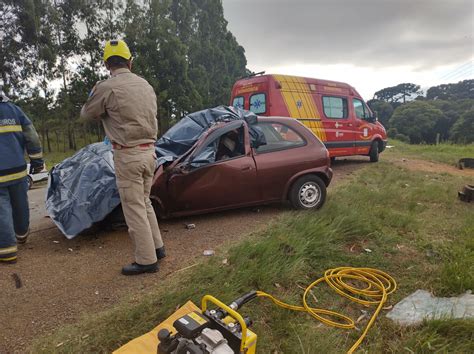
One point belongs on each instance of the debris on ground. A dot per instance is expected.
(368, 250)
(208, 253)
(467, 193)
(422, 305)
(225, 261)
(17, 279)
(465, 162)
(190, 226)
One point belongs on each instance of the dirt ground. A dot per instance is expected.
(428, 166)
(62, 279)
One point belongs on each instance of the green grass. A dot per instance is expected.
(445, 152)
(416, 228)
(53, 158)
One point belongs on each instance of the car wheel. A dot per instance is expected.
(308, 192)
(29, 180)
(374, 152)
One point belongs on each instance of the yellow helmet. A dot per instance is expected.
(116, 47)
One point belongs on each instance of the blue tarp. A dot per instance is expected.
(82, 188)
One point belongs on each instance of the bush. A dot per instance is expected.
(392, 132)
(463, 130)
(402, 137)
(417, 120)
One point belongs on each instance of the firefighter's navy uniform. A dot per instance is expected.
(17, 134)
(126, 103)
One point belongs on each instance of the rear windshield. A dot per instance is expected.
(258, 103)
(238, 102)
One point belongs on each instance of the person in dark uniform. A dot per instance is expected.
(17, 134)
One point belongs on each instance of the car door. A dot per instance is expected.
(279, 159)
(205, 183)
(364, 129)
(338, 124)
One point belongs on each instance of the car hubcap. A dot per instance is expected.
(309, 194)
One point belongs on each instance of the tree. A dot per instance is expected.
(461, 90)
(215, 58)
(183, 48)
(463, 130)
(417, 120)
(399, 93)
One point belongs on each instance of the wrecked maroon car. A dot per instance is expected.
(223, 171)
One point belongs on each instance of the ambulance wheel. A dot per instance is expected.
(29, 180)
(308, 192)
(374, 152)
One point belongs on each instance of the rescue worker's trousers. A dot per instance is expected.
(14, 217)
(134, 169)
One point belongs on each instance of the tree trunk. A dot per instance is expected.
(48, 140)
(57, 140)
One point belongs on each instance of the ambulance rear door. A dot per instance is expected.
(252, 96)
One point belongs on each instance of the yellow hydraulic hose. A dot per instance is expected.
(378, 285)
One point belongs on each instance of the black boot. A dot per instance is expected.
(135, 268)
(160, 252)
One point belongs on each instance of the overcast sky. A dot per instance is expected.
(370, 44)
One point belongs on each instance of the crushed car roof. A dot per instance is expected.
(82, 189)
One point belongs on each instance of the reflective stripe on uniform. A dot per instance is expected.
(10, 128)
(8, 254)
(13, 176)
(7, 250)
(39, 155)
(8, 259)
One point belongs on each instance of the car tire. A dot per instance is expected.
(29, 180)
(374, 152)
(308, 192)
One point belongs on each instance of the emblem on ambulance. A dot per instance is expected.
(299, 104)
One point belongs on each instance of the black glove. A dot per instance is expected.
(36, 166)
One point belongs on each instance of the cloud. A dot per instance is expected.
(422, 34)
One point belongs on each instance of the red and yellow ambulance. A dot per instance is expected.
(333, 111)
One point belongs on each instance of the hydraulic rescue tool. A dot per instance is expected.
(217, 331)
(223, 330)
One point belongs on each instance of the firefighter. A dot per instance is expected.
(126, 104)
(17, 134)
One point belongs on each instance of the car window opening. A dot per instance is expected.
(226, 146)
(231, 145)
(279, 137)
